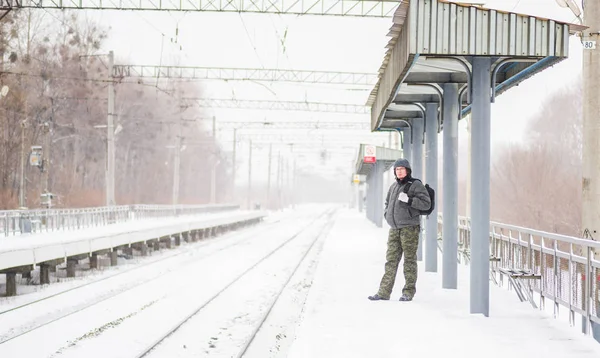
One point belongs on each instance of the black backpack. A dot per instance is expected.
(431, 196)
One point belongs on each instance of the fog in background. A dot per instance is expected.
(55, 65)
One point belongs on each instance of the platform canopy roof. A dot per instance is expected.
(432, 42)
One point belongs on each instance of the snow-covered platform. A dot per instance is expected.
(19, 254)
(339, 320)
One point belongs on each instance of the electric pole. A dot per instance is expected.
(233, 163)
(294, 186)
(46, 162)
(279, 181)
(250, 176)
(268, 204)
(110, 136)
(22, 203)
(591, 122)
(177, 164)
(591, 134)
(213, 176)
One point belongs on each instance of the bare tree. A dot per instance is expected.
(58, 82)
(538, 183)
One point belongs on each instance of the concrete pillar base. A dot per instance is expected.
(11, 284)
(44, 274)
(71, 267)
(113, 258)
(144, 249)
(94, 261)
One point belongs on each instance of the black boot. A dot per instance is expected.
(405, 297)
(376, 297)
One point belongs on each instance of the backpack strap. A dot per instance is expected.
(409, 184)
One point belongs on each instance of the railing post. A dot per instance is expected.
(556, 276)
(571, 311)
(543, 271)
(588, 291)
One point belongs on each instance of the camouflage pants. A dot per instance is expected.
(405, 240)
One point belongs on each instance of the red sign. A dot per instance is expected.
(369, 154)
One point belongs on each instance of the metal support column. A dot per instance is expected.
(371, 198)
(450, 188)
(367, 191)
(417, 168)
(480, 186)
(431, 176)
(360, 197)
(378, 203)
(406, 144)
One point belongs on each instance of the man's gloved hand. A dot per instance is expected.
(403, 197)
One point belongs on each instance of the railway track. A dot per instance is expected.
(71, 309)
(323, 231)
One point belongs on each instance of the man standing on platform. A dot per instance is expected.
(405, 199)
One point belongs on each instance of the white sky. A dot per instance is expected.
(310, 43)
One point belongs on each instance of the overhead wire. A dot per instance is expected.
(517, 4)
(269, 88)
(163, 36)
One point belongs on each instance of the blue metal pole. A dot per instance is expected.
(406, 145)
(417, 167)
(480, 186)
(450, 191)
(378, 178)
(367, 189)
(370, 197)
(431, 175)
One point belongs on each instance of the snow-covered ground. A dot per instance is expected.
(339, 320)
(158, 297)
(64, 299)
(12, 243)
(28, 249)
(322, 312)
(39, 248)
(224, 327)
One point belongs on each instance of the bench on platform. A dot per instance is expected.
(517, 280)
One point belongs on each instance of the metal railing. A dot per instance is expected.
(16, 222)
(570, 275)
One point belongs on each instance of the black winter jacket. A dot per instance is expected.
(399, 214)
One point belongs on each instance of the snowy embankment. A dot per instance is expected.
(120, 315)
